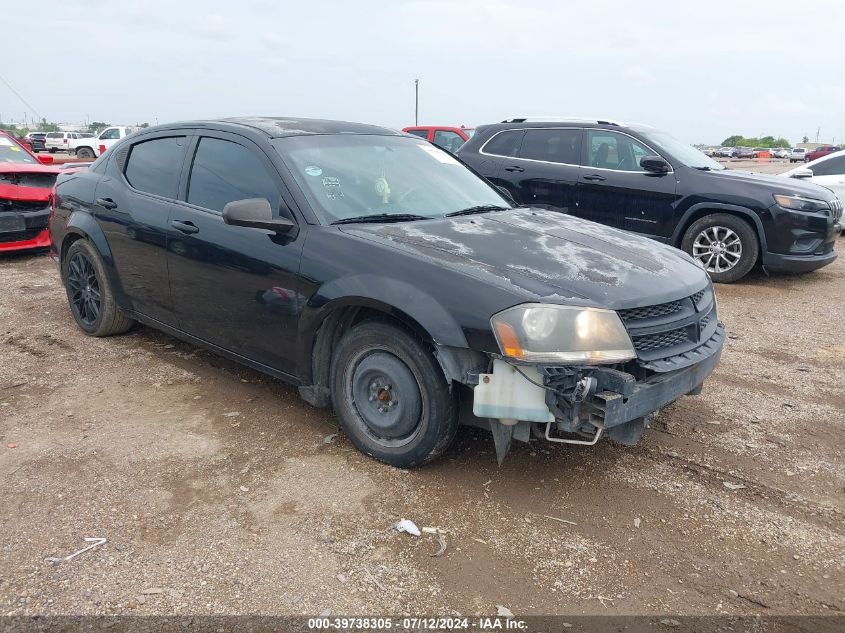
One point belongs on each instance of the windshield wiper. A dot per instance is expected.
(481, 208)
(381, 217)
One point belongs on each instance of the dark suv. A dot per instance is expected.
(640, 179)
(384, 278)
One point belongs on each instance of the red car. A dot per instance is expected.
(821, 151)
(449, 138)
(26, 186)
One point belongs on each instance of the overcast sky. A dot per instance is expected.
(701, 70)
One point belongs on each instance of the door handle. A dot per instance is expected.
(106, 203)
(594, 177)
(185, 226)
(515, 168)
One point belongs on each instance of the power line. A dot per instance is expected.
(24, 101)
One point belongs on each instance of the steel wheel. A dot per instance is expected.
(85, 298)
(718, 248)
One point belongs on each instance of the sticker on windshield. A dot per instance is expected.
(5, 142)
(332, 187)
(313, 170)
(14, 149)
(439, 154)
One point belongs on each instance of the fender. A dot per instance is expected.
(719, 206)
(380, 293)
(84, 225)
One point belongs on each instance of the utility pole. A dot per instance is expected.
(818, 131)
(416, 101)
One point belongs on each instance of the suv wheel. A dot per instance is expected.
(89, 292)
(391, 396)
(726, 246)
(85, 152)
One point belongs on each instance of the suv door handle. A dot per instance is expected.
(514, 168)
(185, 226)
(594, 177)
(106, 203)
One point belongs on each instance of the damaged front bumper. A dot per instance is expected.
(578, 404)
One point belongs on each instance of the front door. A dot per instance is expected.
(233, 286)
(613, 189)
(132, 205)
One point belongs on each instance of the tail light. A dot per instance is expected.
(64, 140)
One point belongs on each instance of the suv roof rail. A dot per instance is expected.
(562, 119)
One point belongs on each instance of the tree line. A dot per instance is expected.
(737, 140)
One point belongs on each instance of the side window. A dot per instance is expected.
(830, 167)
(224, 171)
(154, 166)
(448, 140)
(504, 143)
(420, 133)
(611, 150)
(111, 133)
(554, 146)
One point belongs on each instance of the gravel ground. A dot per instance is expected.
(220, 491)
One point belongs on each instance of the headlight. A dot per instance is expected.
(797, 203)
(543, 333)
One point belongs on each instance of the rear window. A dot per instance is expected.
(154, 166)
(54, 135)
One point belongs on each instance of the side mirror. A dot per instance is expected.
(45, 159)
(507, 194)
(803, 173)
(255, 213)
(655, 164)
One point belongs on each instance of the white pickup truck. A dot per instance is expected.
(94, 146)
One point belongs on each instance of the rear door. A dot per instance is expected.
(132, 204)
(487, 161)
(545, 171)
(613, 189)
(233, 286)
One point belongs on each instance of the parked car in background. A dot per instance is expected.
(403, 289)
(637, 178)
(827, 171)
(26, 184)
(60, 141)
(449, 138)
(37, 140)
(821, 151)
(779, 152)
(726, 152)
(745, 152)
(798, 155)
(92, 146)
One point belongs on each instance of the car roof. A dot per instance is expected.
(283, 126)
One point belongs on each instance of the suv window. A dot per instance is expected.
(611, 150)
(830, 167)
(110, 134)
(54, 135)
(154, 166)
(554, 146)
(420, 133)
(504, 143)
(224, 171)
(448, 140)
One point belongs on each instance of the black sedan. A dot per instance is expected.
(387, 280)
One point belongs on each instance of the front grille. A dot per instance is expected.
(660, 340)
(836, 209)
(650, 312)
(22, 206)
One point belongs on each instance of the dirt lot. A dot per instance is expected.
(219, 492)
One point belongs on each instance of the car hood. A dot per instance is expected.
(775, 183)
(549, 256)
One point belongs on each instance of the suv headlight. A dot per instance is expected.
(541, 333)
(797, 203)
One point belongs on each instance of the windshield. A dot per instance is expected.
(355, 176)
(686, 154)
(11, 152)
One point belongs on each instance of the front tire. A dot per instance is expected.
(89, 292)
(391, 396)
(726, 246)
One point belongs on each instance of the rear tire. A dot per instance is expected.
(391, 396)
(89, 292)
(725, 244)
(85, 152)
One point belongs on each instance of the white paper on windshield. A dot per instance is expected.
(442, 156)
(5, 141)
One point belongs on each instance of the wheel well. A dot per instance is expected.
(697, 215)
(335, 324)
(67, 243)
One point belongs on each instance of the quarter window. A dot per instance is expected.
(611, 150)
(504, 143)
(553, 146)
(154, 166)
(224, 171)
